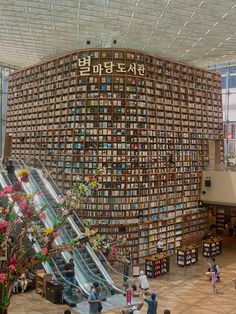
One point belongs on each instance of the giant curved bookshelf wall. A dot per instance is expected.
(145, 119)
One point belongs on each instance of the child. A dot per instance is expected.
(23, 282)
(15, 286)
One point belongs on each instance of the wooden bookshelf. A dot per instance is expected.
(212, 247)
(220, 220)
(157, 265)
(145, 119)
(41, 280)
(187, 255)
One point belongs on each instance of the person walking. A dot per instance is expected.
(214, 269)
(93, 299)
(143, 283)
(152, 304)
(11, 171)
(70, 273)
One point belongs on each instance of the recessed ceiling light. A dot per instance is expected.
(215, 24)
(208, 31)
(224, 16)
(193, 13)
(187, 51)
(220, 44)
(234, 6)
(194, 45)
(200, 4)
(213, 49)
(228, 38)
(199, 39)
(179, 32)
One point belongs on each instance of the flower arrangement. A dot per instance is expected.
(17, 227)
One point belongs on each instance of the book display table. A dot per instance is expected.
(157, 265)
(187, 255)
(212, 247)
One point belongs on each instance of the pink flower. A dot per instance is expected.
(25, 178)
(114, 250)
(8, 189)
(16, 221)
(69, 193)
(2, 195)
(56, 234)
(44, 251)
(3, 225)
(65, 212)
(13, 260)
(12, 267)
(17, 186)
(46, 239)
(43, 216)
(3, 277)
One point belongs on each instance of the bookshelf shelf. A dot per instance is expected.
(145, 119)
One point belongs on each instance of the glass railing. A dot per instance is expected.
(84, 278)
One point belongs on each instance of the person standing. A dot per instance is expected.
(93, 299)
(160, 245)
(152, 304)
(143, 283)
(11, 171)
(214, 273)
(70, 273)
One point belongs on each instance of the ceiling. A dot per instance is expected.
(193, 31)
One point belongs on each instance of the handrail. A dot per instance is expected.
(63, 231)
(129, 278)
(49, 175)
(76, 229)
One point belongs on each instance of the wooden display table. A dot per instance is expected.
(157, 265)
(187, 255)
(41, 279)
(212, 247)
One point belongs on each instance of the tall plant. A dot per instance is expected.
(20, 223)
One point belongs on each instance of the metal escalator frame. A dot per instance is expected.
(65, 255)
(76, 229)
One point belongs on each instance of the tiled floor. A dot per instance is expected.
(183, 290)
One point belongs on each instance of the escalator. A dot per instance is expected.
(51, 187)
(83, 274)
(53, 266)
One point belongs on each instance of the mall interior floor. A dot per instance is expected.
(183, 291)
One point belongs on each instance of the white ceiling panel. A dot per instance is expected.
(200, 32)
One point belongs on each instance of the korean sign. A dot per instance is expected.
(107, 67)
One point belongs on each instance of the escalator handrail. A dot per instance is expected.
(64, 230)
(76, 229)
(129, 278)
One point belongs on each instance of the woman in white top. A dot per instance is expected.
(143, 283)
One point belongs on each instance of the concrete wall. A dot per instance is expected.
(222, 189)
